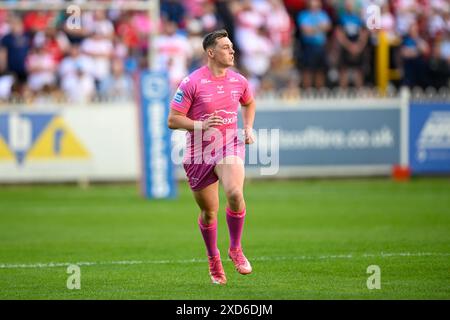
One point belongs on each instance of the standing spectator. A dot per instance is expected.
(35, 21)
(120, 49)
(208, 18)
(102, 25)
(173, 10)
(440, 62)
(174, 53)
(128, 32)
(100, 48)
(293, 8)
(53, 41)
(352, 38)
(6, 84)
(75, 60)
(118, 85)
(406, 15)
(388, 23)
(225, 10)
(436, 22)
(194, 8)
(444, 49)
(143, 25)
(314, 23)
(256, 53)
(279, 24)
(248, 20)
(14, 49)
(4, 25)
(78, 87)
(41, 69)
(194, 29)
(413, 51)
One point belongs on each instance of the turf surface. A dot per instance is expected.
(305, 239)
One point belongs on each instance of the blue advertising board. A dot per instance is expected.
(35, 136)
(429, 137)
(157, 179)
(331, 137)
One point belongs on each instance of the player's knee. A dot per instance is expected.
(209, 216)
(235, 195)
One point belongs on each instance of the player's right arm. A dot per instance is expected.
(178, 120)
(180, 105)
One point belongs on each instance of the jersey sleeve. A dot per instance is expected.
(247, 95)
(184, 96)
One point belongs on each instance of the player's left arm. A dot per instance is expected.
(248, 117)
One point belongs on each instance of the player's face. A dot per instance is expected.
(223, 52)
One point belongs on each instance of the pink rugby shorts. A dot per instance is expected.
(201, 175)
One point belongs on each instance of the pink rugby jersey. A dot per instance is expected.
(201, 94)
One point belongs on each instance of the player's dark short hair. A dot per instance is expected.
(210, 39)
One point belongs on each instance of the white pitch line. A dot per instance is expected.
(187, 261)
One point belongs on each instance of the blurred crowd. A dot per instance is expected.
(281, 46)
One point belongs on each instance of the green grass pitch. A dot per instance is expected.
(306, 240)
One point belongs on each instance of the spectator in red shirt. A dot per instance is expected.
(35, 21)
(127, 32)
(54, 42)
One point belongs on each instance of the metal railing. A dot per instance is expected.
(417, 94)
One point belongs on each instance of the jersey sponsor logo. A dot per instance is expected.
(204, 81)
(228, 117)
(221, 111)
(233, 79)
(220, 89)
(178, 96)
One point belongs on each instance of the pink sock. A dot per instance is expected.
(235, 221)
(209, 233)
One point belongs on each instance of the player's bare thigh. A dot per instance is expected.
(231, 173)
(208, 201)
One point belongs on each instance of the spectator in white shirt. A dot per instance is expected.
(174, 53)
(78, 87)
(119, 85)
(6, 83)
(256, 53)
(279, 24)
(97, 22)
(70, 63)
(100, 49)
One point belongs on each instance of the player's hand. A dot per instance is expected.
(248, 136)
(212, 121)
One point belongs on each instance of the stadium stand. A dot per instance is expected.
(276, 46)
